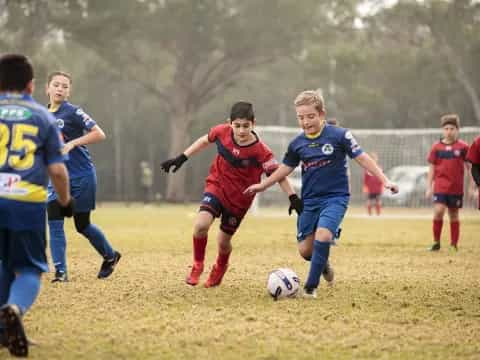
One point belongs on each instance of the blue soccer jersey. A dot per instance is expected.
(324, 162)
(73, 123)
(29, 142)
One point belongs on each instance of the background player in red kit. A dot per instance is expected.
(241, 160)
(445, 179)
(473, 156)
(373, 188)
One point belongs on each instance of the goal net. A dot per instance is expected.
(402, 155)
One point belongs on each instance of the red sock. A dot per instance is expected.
(222, 259)
(437, 230)
(378, 207)
(199, 245)
(369, 209)
(454, 232)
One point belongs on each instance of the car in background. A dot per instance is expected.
(412, 184)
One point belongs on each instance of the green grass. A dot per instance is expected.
(392, 299)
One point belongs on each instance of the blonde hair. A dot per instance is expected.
(311, 97)
(450, 119)
(59, 73)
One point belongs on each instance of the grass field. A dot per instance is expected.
(392, 299)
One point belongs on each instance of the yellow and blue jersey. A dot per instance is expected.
(29, 142)
(73, 123)
(323, 160)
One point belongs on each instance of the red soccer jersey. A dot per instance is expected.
(448, 161)
(372, 184)
(236, 167)
(473, 154)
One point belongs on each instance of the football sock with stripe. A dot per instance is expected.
(454, 232)
(58, 244)
(98, 241)
(24, 289)
(321, 251)
(199, 245)
(437, 230)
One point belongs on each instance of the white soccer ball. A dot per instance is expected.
(283, 283)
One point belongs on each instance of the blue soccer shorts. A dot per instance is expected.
(325, 213)
(23, 249)
(83, 189)
(451, 201)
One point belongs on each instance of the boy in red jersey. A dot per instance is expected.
(241, 160)
(373, 187)
(473, 156)
(445, 179)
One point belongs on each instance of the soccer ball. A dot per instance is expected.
(283, 283)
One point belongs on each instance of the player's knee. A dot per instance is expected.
(82, 221)
(200, 229)
(305, 253)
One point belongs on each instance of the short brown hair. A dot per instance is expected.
(59, 73)
(450, 119)
(310, 97)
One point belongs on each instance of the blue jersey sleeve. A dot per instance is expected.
(350, 144)
(291, 158)
(83, 120)
(53, 146)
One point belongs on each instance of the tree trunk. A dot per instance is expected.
(463, 79)
(179, 141)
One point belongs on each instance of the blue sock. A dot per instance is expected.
(58, 244)
(98, 241)
(6, 278)
(321, 250)
(24, 289)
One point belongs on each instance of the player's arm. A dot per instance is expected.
(475, 172)
(59, 176)
(471, 181)
(278, 175)
(365, 161)
(295, 202)
(429, 191)
(95, 135)
(200, 144)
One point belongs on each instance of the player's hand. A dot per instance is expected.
(67, 147)
(295, 204)
(176, 162)
(392, 187)
(67, 210)
(253, 189)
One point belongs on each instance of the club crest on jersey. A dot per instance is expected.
(60, 123)
(236, 152)
(327, 149)
(456, 152)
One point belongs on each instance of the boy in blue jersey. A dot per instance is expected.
(321, 150)
(30, 151)
(77, 129)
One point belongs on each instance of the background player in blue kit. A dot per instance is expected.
(321, 149)
(30, 151)
(78, 129)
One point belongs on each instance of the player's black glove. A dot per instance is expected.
(67, 210)
(295, 204)
(177, 162)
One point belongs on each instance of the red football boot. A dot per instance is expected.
(216, 275)
(194, 277)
